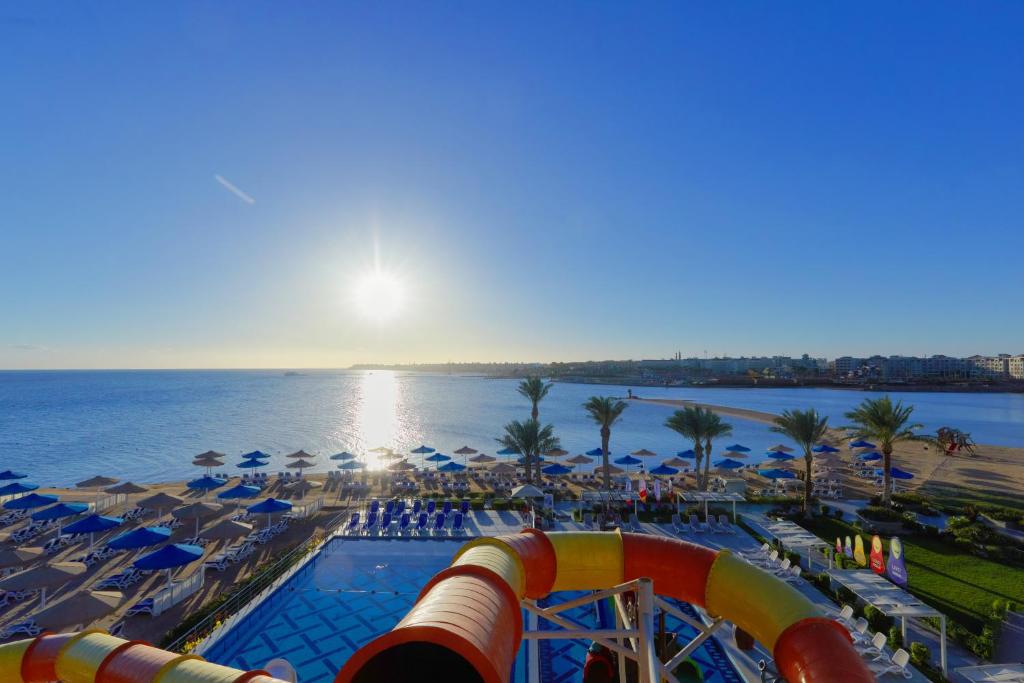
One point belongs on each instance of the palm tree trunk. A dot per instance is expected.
(707, 464)
(887, 475)
(698, 452)
(535, 413)
(539, 473)
(606, 435)
(808, 484)
(528, 462)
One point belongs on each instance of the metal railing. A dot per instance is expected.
(255, 585)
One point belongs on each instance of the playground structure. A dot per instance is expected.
(467, 623)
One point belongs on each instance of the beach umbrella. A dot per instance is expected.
(508, 451)
(269, 507)
(344, 455)
(32, 500)
(303, 486)
(628, 460)
(80, 609)
(96, 482)
(861, 443)
(59, 511)
(239, 491)
(869, 457)
(776, 474)
(895, 473)
(728, 464)
(503, 468)
(779, 455)
(781, 448)
(824, 448)
(466, 450)
(300, 464)
(251, 464)
(664, 470)
(451, 467)
(126, 488)
(140, 537)
(16, 488)
(300, 455)
(643, 453)
(556, 470)
(256, 455)
(579, 460)
(676, 462)
(197, 511)
(522, 461)
(389, 455)
(526, 491)
(206, 484)
(15, 557)
(438, 457)
(596, 452)
(43, 577)
(169, 557)
(422, 450)
(8, 474)
(208, 463)
(401, 466)
(160, 501)
(210, 454)
(380, 449)
(351, 465)
(688, 453)
(226, 529)
(737, 448)
(91, 524)
(612, 469)
(556, 453)
(482, 459)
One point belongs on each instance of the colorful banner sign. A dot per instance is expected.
(657, 489)
(839, 546)
(858, 551)
(897, 570)
(877, 556)
(848, 548)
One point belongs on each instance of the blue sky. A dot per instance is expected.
(545, 181)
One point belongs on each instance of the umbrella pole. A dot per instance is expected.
(42, 598)
(197, 527)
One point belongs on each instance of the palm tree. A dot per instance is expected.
(881, 420)
(530, 439)
(806, 428)
(713, 428)
(605, 411)
(534, 389)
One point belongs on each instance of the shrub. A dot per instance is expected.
(895, 638)
(877, 620)
(877, 513)
(920, 655)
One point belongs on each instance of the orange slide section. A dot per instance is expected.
(467, 621)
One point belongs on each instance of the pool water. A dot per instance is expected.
(353, 590)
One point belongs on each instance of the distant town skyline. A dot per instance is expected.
(239, 185)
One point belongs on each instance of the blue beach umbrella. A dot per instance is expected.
(140, 538)
(451, 467)
(351, 465)
(256, 455)
(206, 483)
(60, 511)
(597, 451)
(508, 451)
(32, 500)
(8, 474)
(861, 443)
(824, 448)
(239, 491)
(17, 487)
(895, 473)
(665, 470)
(438, 457)
(344, 455)
(688, 453)
(869, 457)
(269, 507)
(728, 464)
(777, 474)
(556, 470)
(422, 450)
(522, 461)
(252, 464)
(169, 557)
(91, 524)
(779, 455)
(628, 460)
(737, 448)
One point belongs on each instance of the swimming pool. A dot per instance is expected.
(353, 590)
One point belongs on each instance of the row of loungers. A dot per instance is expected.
(384, 524)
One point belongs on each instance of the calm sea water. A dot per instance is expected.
(145, 426)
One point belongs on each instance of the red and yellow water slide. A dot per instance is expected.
(467, 622)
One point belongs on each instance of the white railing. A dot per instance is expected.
(108, 501)
(178, 591)
(307, 509)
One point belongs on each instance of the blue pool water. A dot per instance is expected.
(354, 590)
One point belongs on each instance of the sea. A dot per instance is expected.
(60, 427)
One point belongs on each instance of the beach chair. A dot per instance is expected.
(457, 524)
(874, 647)
(385, 523)
(141, 607)
(859, 632)
(353, 524)
(634, 524)
(464, 507)
(724, 525)
(439, 521)
(403, 523)
(370, 523)
(588, 522)
(27, 627)
(447, 508)
(389, 507)
(697, 525)
(431, 506)
(417, 505)
(421, 523)
(400, 507)
(783, 567)
(897, 664)
(679, 526)
(374, 506)
(845, 617)
(793, 575)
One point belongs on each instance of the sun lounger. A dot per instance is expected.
(27, 627)
(897, 664)
(431, 506)
(457, 524)
(697, 525)
(875, 647)
(679, 526)
(464, 507)
(421, 523)
(439, 521)
(588, 522)
(634, 524)
(353, 524)
(374, 506)
(141, 607)
(724, 525)
(400, 507)
(371, 522)
(385, 523)
(403, 523)
(447, 508)
(389, 507)
(417, 505)
(793, 575)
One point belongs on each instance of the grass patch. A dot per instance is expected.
(958, 496)
(959, 584)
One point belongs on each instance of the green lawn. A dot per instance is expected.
(959, 584)
(963, 495)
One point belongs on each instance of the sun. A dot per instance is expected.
(378, 295)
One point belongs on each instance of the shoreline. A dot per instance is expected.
(743, 413)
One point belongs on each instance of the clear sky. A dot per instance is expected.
(207, 184)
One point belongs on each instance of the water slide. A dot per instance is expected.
(466, 624)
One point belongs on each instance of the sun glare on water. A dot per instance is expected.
(378, 295)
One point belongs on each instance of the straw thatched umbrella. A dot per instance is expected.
(97, 483)
(80, 609)
(198, 510)
(300, 454)
(226, 529)
(579, 460)
(612, 469)
(643, 453)
(42, 577)
(127, 488)
(466, 450)
(503, 468)
(482, 459)
(556, 453)
(781, 448)
(303, 486)
(401, 466)
(15, 557)
(160, 502)
(676, 462)
(300, 464)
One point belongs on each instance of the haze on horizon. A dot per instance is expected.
(264, 184)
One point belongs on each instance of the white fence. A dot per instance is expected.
(178, 591)
(307, 509)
